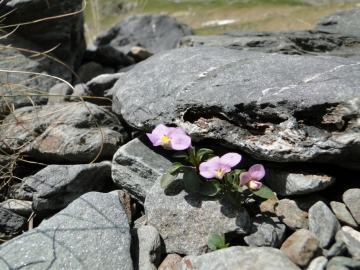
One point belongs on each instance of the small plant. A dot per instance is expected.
(208, 174)
(217, 241)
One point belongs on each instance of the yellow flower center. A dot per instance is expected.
(218, 172)
(164, 138)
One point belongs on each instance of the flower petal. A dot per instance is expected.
(230, 159)
(155, 139)
(180, 141)
(255, 184)
(245, 178)
(257, 172)
(208, 169)
(161, 130)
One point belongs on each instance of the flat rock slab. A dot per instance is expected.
(136, 166)
(244, 258)
(184, 219)
(275, 107)
(54, 187)
(63, 132)
(91, 233)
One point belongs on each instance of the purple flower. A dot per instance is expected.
(217, 167)
(253, 176)
(169, 137)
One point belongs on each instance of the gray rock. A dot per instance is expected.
(54, 187)
(88, 71)
(137, 165)
(171, 211)
(68, 31)
(336, 34)
(301, 247)
(148, 253)
(245, 258)
(323, 223)
(91, 233)
(60, 89)
(155, 32)
(285, 183)
(108, 55)
(63, 133)
(351, 238)
(101, 84)
(37, 86)
(19, 207)
(265, 231)
(343, 262)
(351, 198)
(139, 53)
(342, 214)
(171, 262)
(11, 223)
(234, 98)
(290, 214)
(337, 249)
(318, 263)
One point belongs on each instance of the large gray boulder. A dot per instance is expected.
(244, 258)
(155, 32)
(63, 132)
(26, 79)
(282, 108)
(91, 233)
(336, 34)
(185, 219)
(68, 31)
(54, 187)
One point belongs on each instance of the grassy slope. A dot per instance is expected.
(248, 14)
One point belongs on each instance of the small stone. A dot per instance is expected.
(141, 221)
(11, 223)
(20, 207)
(351, 198)
(323, 223)
(59, 93)
(342, 214)
(351, 238)
(268, 206)
(171, 262)
(284, 183)
(139, 53)
(239, 257)
(300, 247)
(346, 262)
(265, 231)
(337, 249)
(318, 263)
(289, 213)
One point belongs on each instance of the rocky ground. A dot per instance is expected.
(81, 181)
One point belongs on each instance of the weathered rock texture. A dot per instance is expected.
(67, 31)
(336, 34)
(91, 233)
(302, 109)
(63, 132)
(171, 211)
(54, 187)
(155, 32)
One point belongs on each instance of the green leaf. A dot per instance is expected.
(210, 188)
(181, 154)
(167, 179)
(206, 157)
(264, 192)
(203, 151)
(240, 189)
(191, 180)
(235, 198)
(175, 167)
(217, 241)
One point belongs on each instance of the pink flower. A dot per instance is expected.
(169, 137)
(217, 167)
(253, 176)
